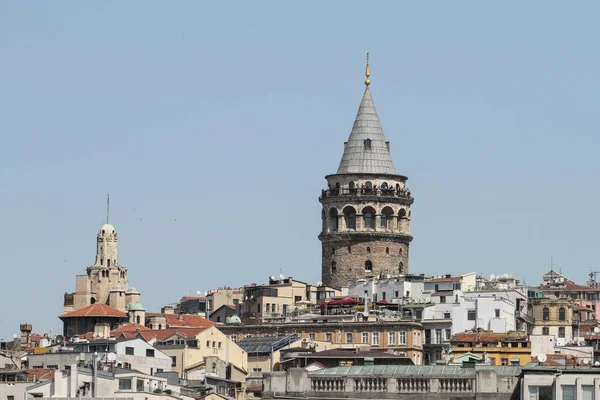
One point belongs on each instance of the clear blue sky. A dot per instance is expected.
(212, 125)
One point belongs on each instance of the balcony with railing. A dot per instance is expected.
(366, 191)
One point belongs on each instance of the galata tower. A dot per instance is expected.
(366, 206)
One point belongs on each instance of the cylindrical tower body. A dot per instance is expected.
(366, 207)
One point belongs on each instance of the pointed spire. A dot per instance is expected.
(367, 150)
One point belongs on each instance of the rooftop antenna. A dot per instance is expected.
(368, 72)
(551, 263)
(107, 207)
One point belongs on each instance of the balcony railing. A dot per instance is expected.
(388, 192)
(525, 317)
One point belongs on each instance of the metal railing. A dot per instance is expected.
(389, 192)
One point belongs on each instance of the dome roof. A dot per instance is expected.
(234, 319)
(137, 306)
(107, 229)
(132, 290)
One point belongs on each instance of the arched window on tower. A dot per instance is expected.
(367, 143)
(562, 315)
(333, 267)
(368, 187)
(108, 262)
(350, 216)
(368, 250)
(369, 217)
(546, 314)
(386, 217)
(401, 268)
(333, 220)
(368, 266)
(387, 250)
(137, 319)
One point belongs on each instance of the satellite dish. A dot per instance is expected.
(15, 336)
(492, 277)
(198, 292)
(111, 357)
(596, 329)
(597, 363)
(205, 293)
(281, 276)
(542, 357)
(319, 283)
(272, 277)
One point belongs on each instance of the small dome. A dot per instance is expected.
(234, 319)
(107, 229)
(132, 290)
(137, 306)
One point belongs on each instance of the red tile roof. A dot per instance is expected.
(488, 337)
(556, 360)
(568, 287)
(186, 321)
(95, 310)
(41, 374)
(450, 279)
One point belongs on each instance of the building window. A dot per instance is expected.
(387, 250)
(504, 361)
(448, 334)
(471, 315)
(368, 250)
(401, 268)
(497, 312)
(218, 319)
(561, 332)
(149, 352)
(402, 338)
(129, 351)
(442, 299)
(446, 315)
(541, 393)
(568, 392)
(233, 338)
(375, 338)
(546, 314)
(391, 338)
(437, 287)
(350, 216)
(396, 293)
(368, 266)
(328, 337)
(364, 339)
(562, 314)
(138, 319)
(333, 267)
(220, 344)
(587, 392)
(367, 143)
(349, 250)
(311, 336)
(383, 295)
(369, 218)
(545, 330)
(125, 384)
(349, 338)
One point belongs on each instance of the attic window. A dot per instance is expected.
(367, 143)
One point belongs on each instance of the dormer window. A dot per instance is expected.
(367, 143)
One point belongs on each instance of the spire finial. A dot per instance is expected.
(368, 72)
(107, 206)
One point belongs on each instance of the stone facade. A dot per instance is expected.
(366, 208)
(106, 280)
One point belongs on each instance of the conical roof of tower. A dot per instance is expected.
(367, 150)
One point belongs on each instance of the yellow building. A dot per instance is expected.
(512, 348)
(280, 298)
(189, 346)
(554, 317)
(402, 336)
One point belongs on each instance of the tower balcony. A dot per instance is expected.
(400, 193)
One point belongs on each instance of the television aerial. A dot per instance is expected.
(542, 357)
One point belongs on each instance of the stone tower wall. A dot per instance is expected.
(387, 257)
